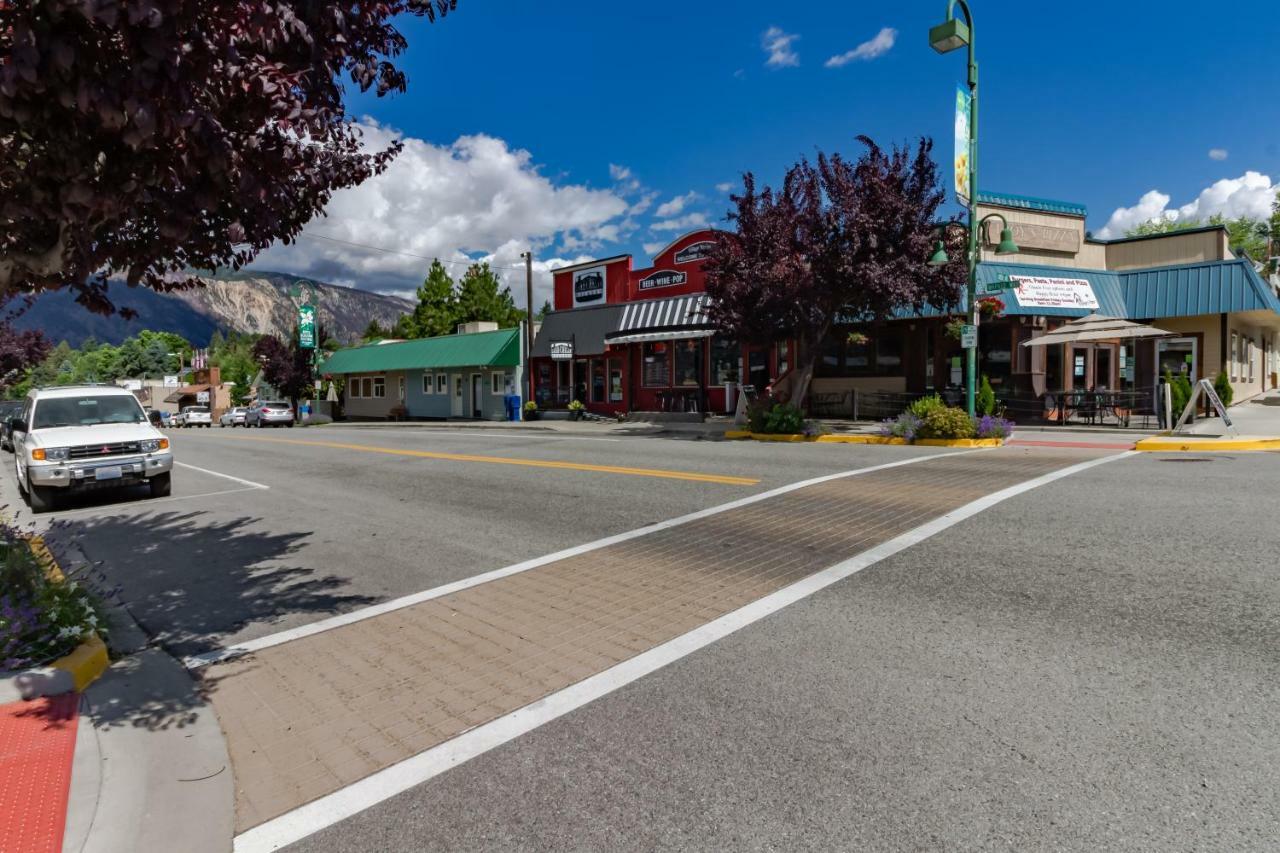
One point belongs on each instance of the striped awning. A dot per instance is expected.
(675, 318)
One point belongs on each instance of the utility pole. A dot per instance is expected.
(528, 328)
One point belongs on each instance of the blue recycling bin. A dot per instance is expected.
(512, 403)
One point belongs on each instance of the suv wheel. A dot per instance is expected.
(39, 498)
(161, 485)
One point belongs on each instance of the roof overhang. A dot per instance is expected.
(682, 334)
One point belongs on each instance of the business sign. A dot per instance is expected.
(662, 278)
(171, 382)
(1044, 292)
(561, 350)
(202, 396)
(694, 252)
(131, 384)
(964, 114)
(588, 287)
(307, 327)
(1029, 236)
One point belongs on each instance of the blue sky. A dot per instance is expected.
(589, 128)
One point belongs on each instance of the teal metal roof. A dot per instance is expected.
(1106, 286)
(478, 349)
(1213, 287)
(1026, 202)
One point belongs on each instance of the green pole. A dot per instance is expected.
(971, 353)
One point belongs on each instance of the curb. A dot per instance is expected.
(75, 671)
(1169, 444)
(743, 435)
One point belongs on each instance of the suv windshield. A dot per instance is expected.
(87, 410)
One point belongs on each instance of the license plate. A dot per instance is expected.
(112, 473)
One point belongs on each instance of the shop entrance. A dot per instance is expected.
(1093, 367)
(477, 388)
(1177, 355)
(456, 409)
(758, 369)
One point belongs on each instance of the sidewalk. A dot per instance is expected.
(310, 716)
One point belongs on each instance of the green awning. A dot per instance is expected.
(478, 349)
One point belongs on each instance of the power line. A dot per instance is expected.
(406, 254)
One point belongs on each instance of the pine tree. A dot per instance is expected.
(481, 299)
(437, 310)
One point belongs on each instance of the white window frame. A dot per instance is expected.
(428, 383)
(1235, 356)
(442, 384)
(497, 383)
(379, 387)
(353, 387)
(1249, 355)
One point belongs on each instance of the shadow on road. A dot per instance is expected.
(190, 580)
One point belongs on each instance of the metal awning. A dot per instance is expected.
(677, 318)
(1096, 327)
(186, 391)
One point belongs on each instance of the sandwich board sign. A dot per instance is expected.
(1205, 387)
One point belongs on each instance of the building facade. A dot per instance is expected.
(622, 339)
(467, 375)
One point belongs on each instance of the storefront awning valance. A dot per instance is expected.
(673, 319)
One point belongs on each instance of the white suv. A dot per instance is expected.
(81, 437)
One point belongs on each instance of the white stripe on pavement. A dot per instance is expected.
(194, 661)
(242, 482)
(355, 798)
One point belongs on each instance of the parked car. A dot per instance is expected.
(81, 437)
(195, 416)
(269, 413)
(8, 409)
(233, 417)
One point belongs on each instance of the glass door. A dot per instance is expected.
(1177, 355)
(1103, 367)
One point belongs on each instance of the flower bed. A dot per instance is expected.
(44, 615)
(930, 418)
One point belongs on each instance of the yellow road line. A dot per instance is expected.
(724, 479)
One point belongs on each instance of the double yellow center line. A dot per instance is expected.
(723, 479)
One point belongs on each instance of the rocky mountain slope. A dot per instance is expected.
(243, 302)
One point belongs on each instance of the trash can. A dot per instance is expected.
(512, 403)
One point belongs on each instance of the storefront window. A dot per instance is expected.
(562, 382)
(582, 380)
(688, 363)
(615, 380)
(1053, 368)
(857, 356)
(888, 350)
(656, 357)
(597, 380)
(726, 358)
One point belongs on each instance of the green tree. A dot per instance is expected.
(1244, 234)
(481, 298)
(375, 331)
(437, 310)
(544, 310)
(985, 404)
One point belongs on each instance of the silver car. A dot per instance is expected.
(269, 413)
(233, 417)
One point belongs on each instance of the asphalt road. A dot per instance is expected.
(1092, 666)
(351, 516)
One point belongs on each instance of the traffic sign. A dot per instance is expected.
(999, 285)
(968, 337)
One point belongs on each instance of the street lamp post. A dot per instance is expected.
(947, 36)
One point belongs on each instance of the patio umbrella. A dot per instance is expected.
(1096, 327)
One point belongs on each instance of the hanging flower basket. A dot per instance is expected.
(955, 328)
(991, 306)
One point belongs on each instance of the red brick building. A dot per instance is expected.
(625, 340)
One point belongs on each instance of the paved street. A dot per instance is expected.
(1103, 687)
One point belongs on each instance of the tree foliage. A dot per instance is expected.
(151, 137)
(481, 296)
(839, 240)
(146, 355)
(437, 310)
(20, 350)
(444, 303)
(286, 367)
(1244, 234)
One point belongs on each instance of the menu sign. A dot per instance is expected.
(588, 286)
(662, 278)
(1035, 291)
(694, 252)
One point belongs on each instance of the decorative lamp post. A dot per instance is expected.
(948, 36)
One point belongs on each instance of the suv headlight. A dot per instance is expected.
(51, 454)
(151, 445)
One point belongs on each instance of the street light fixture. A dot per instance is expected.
(950, 35)
(1006, 246)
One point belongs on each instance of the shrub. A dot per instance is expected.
(1223, 386)
(530, 406)
(783, 419)
(905, 425)
(990, 426)
(985, 400)
(922, 407)
(40, 619)
(947, 422)
(575, 406)
(813, 429)
(1179, 392)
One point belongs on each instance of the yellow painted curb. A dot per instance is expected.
(1168, 444)
(743, 435)
(86, 663)
(89, 660)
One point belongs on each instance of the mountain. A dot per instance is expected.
(241, 302)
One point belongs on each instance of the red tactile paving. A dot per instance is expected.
(37, 741)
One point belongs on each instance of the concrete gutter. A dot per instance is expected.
(1206, 443)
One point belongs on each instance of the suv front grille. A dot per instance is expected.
(122, 448)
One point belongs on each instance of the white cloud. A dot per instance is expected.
(1217, 153)
(724, 187)
(619, 173)
(777, 44)
(868, 50)
(740, 74)
(474, 199)
(642, 204)
(676, 204)
(654, 248)
(1251, 194)
(688, 222)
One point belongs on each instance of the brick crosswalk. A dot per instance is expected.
(308, 717)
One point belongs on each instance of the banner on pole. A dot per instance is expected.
(307, 327)
(964, 113)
